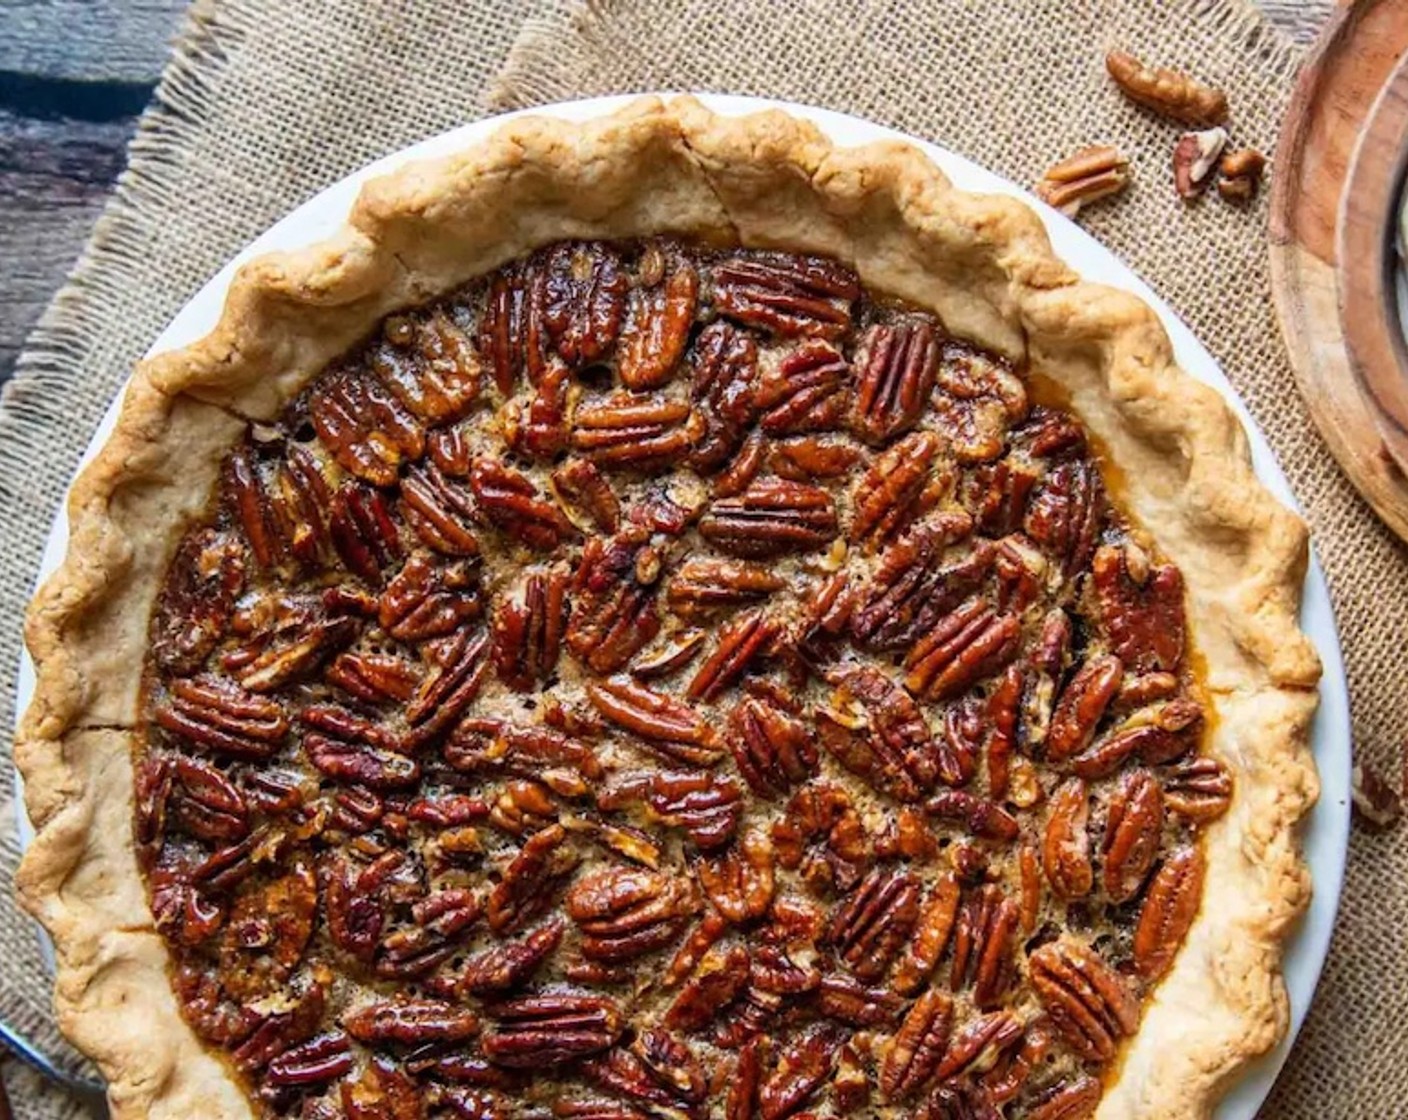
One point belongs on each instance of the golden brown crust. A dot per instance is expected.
(983, 264)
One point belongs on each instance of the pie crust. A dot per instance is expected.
(982, 264)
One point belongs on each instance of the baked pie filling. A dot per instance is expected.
(661, 681)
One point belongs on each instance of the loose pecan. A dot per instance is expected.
(739, 881)
(586, 496)
(1087, 175)
(773, 747)
(529, 884)
(429, 363)
(214, 714)
(896, 377)
(933, 928)
(509, 501)
(899, 485)
(918, 1046)
(741, 640)
(1170, 905)
(1065, 852)
(1065, 513)
(1198, 789)
(772, 517)
(788, 295)
(803, 1066)
(1145, 619)
(550, 1029)
(629, 430)
(971, 643)
(876, 730)
(821, 816)
(658, 320)
(614, 615)
(1170, 92)
(1086, 999)
(869, 928)
(666, 725)
(911, 590)
(1133, 829)
(983, 941)
(362, 530)
(439, 509)
(197, 600)
(624, 913)
(528, 628)
(426, 599)
(804, 391)
(367, 430)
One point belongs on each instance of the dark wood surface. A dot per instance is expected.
(74, 75)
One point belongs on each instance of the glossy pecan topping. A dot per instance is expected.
(656, 682)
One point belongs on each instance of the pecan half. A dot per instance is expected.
(614, 615)
(1086, 999)
(971, 643)
(1065, 852)
(933, 928)
(1069, 1100)
(803, 1066)
(979, 816)
(918, 1046)
(215, 714)
(530, 881)
(870, 927)
(508, 966)
(323, 1058)
(804, 391)
(440, 510)
(772, 746)
(979, 1043)
(820, 833)
(983, 941)
(725, 369)
(895, 377)
(657, 323)
(509, 501)
(703, 585)
(875, 729)
(628, 430)
(365, 427)
(586, 496)
(373, 677)
(897, 488)
(718, 980)
(197, 600)
(429, 363)
(844, 999)
(1170, 905)
(1166, 91)
(1133, 829)
(426, 599)
(449, 689)
(739, 881)
(1145, 619)
(528, 629)
(772, 517)
(624, 913)
(1198, 789)
(440, 923)
(1082, 706)
(911, 590)
(1065, 513)
(410, 1022)
(665, 724)
(744, 638)
(550, 1029)
(787, 295)
(362, 530)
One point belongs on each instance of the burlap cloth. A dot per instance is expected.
(266, 101)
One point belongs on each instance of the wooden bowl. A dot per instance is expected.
(1335, 195)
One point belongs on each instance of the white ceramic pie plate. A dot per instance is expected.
(1327, 830)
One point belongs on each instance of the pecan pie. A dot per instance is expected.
(665, 618)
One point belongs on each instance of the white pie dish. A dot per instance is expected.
(1327, 827)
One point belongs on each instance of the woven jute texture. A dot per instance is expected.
(267, 101)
